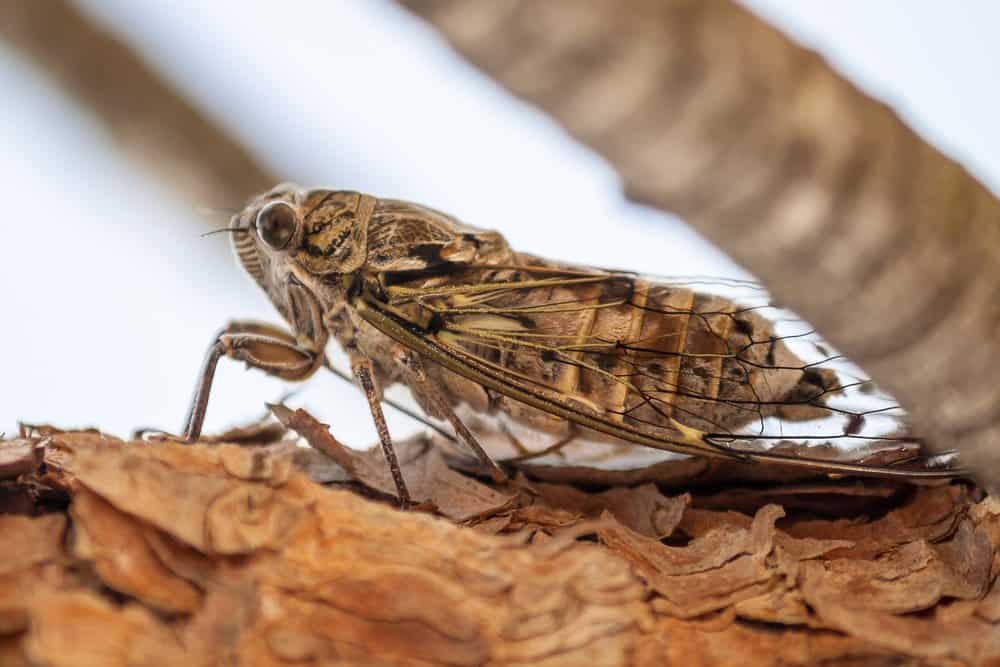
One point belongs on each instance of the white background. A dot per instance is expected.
(109, 296)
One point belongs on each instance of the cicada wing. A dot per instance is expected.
(634, 360)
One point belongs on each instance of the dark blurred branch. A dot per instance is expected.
(888, 247)
(148, 118)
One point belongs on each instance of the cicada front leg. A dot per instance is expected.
(262, 346)
(277, 352)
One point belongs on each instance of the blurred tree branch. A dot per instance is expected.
(887, 246)
(148, 118)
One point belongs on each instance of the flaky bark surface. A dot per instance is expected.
(885, 245)
(146, 553)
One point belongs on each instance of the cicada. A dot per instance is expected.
(414, 296)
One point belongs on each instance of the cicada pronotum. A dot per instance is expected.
(416, 297)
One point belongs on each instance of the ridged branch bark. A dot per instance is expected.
(153, 122)
(228, 554)
(886, 246)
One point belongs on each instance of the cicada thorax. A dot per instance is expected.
(405, 237)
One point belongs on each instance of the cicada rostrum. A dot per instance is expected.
(416, 297)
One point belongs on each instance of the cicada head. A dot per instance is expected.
(291, 240)
(325, 231)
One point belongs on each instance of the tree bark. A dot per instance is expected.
(228, 553)
(888, 247)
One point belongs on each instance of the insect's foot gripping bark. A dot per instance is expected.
(156, 434)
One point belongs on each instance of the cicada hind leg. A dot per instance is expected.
(433, 397)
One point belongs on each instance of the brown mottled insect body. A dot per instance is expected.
(417, 297)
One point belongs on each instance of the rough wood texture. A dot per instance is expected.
(885, 245)
(146, 116)
(231, 554)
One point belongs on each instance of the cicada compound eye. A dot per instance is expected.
(277, 224)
